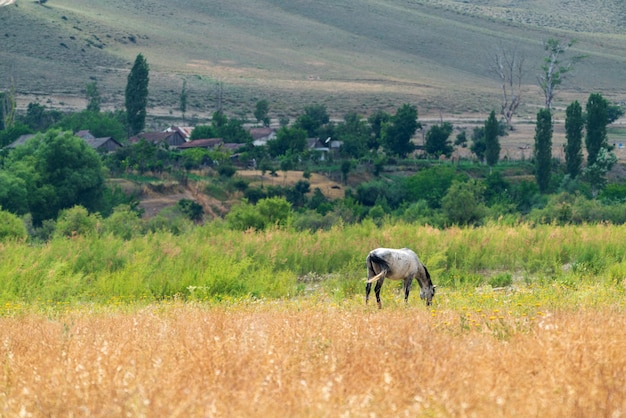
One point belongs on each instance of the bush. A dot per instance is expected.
(501, 280)
(124, 223)
(11, 227)
(77, 221)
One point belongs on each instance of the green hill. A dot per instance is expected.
(346, 54)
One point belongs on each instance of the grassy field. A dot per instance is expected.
(526, 321)
(312, 359)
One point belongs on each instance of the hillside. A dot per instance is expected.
(349, 55)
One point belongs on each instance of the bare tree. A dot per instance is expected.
(507, 63)
(553, 70)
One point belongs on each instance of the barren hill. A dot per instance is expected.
(349, 55)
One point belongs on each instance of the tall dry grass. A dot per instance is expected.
(311, 359)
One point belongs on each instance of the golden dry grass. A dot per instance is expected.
(307, 358)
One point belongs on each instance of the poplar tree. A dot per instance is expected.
(597, 119)
(137, 95)
(574, 123)
(543, 149)
(492, 145)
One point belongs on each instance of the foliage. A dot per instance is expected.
(479, 144)
(99, 124)
(13, 193)
(289, 140)
(77, 221)
(463, 203)
(596, 173)
(93, 97)
(437, 140)
(397, 133)
(203, 132)
(430, 184)
(543, 149)
(59, 171)
(313, 118)
(136, 97)
(38, 119)
(574, 124)
(554, 70)
(11, 227)
(191, 209)
(492, 145)
(261, 111)
(355, 135)
(597, 120)
(274, 211)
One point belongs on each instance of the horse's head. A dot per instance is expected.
(427, 293)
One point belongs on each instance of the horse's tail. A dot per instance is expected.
(380, 262)
(377, 277)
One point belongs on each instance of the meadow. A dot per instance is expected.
(527, 320)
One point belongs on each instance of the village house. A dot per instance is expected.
(170, 139)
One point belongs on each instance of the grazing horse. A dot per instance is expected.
(401, 264)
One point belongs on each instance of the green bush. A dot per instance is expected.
(11, 227)
(77, 221)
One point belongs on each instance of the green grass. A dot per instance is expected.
(565, 265)
(349, 56)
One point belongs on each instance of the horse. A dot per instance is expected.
(397, 264)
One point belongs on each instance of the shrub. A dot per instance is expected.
(77, 221)
(11, 227)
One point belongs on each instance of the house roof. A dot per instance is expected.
(260, 133)
(185, 131)
(98, 142)
(202, 143)
(20, 141)
(85, 134)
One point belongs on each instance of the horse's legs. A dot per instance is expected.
(407, 288)
(379, 284)
(368, 289)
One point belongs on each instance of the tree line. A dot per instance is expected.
(56, 170)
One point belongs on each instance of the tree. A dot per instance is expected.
(202, 132)
(508, 65)
(100, 124)
(137, 95)
(260, 112)
(437, 140)
(554, 71)
(183, 99)
(574, 123)
(11, 227)
(595, 173)
(354, 134)
(397, 133)
(597, 119)
(543, 149)
(314, 117)
(38, 118)
(492, 145)
(93, 97)
(377, 121)
(288, 140)
(463, 203)
(8, 106)
(479, 146)
(59, 171)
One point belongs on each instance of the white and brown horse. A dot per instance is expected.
(397, 264)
